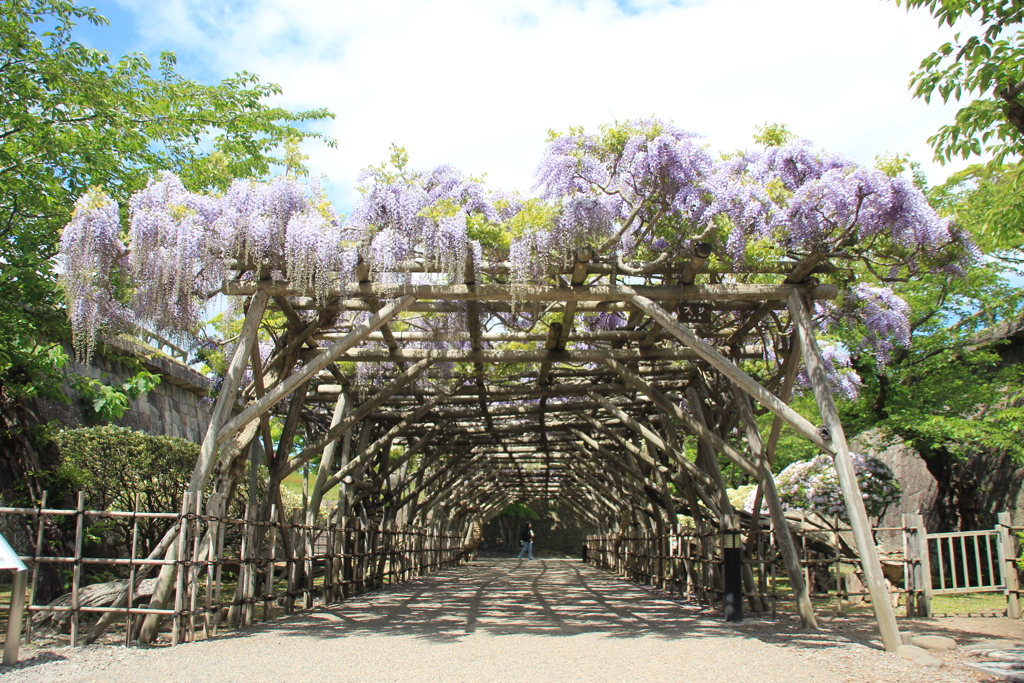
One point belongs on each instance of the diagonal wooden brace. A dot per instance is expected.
(311, 368)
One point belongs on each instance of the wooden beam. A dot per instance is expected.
(691, 425)
(312, 367)
(648, 434)
(594, 293)
(364, 409)
(847, 476)
(515, 356)
(733, 372)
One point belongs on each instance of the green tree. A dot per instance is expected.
(988, 67)
(950, 396)
(72, 118)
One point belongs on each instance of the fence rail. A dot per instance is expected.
(236, 570)
(689, 563)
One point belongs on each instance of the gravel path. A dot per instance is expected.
(498, 620)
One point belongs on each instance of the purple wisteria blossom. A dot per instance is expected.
(423, 216)
(90, 248)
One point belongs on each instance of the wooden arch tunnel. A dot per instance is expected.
(486, 393)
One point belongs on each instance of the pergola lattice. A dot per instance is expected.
(596, 419)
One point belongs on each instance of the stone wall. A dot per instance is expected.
(1000, 483)
(177, 406)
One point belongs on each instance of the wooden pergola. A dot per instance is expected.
(463, 422)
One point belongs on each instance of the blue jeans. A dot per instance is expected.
(527, 548)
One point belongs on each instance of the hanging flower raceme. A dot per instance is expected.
(175, 253)
(422, 216)
(883, 314)
(182, 243)
(91, 248)
(835, 360)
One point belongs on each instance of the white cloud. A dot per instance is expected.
(477, 84)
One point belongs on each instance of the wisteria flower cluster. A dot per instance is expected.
(180, 242)
(813, 485)
(421, 215)
(653, 183)
(883, 314)
(92, 246)
(642, 188)
(838, 369)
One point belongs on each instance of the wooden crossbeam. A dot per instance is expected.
(734, 373)
(593, 293)
(364, 409)
(312, 367)
(515, 356)
(691, 425)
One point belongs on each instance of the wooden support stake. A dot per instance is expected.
(1009, 544)
(847, 476)
(312, 367)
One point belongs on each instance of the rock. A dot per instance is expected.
(934, 642)
(1003, 670)
(1014, 655)
(975, 648)
(918, 655)
(906, 637)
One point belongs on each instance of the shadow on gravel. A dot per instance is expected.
(505, 596)
(35, 660)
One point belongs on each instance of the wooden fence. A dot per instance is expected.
(688, 563)
(231, 570)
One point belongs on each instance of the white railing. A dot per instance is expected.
(967, 562)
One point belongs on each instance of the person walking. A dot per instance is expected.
(526, 538)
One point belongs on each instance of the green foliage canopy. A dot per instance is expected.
(72, 118)
(988, 66)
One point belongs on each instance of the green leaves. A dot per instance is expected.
(71, 119)
(988, 67)
(110, 402)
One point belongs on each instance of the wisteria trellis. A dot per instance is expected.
(638, 239)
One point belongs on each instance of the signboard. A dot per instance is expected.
(8, 558)
(695, 314)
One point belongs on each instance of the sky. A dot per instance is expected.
(478, 84)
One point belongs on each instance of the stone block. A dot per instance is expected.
(934, 642)
(982, 645)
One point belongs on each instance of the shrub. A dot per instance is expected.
(814, 485)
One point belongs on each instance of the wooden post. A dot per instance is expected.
(130, 601)
(179, 588)
(268, 598)
(15, 616)
(193, 571)
(1009, 546)
(862, 534)
(778, 515)
(212, 569)
(35, 563)
(76, 584)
